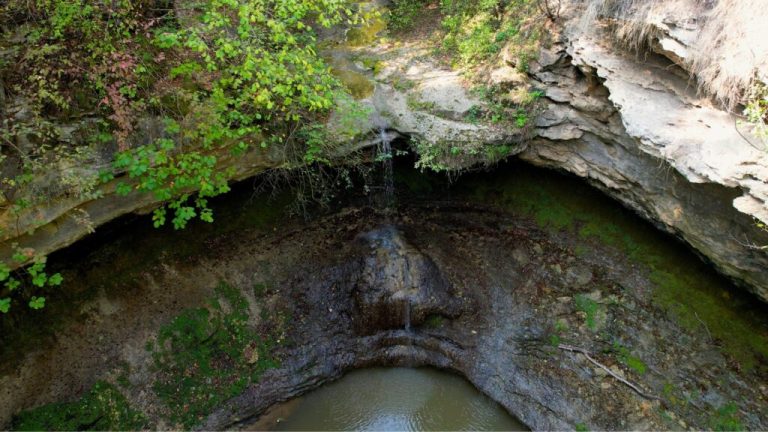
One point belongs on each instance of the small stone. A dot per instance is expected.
(521, 257)
(579, 276)
(251, 353)
(537, 249)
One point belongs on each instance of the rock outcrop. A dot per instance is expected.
(632, 124)
(63, 220)
(493, 297)
(639, 131)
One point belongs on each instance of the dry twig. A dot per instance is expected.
(586, 354)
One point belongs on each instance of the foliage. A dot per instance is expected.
(33, 276)
(102, 408)
(257, 77)
(403, 13)
(208, 355)
(756, 110)
(477, 31)
(416, 104)
(457, 156)
(515, 109)
(66, 58)
(226, 77)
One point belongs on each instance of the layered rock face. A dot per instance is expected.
(632, 124)
(637, 129)
(491, 296)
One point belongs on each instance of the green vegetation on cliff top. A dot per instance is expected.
(154, 96)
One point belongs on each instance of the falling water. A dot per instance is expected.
(407, 314)
(385, 155)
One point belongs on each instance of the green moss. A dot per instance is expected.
(102, 408)
(699, 299)
(590, 307)
(416, 104)
(581, 427)
(554, 340)
(366, 34)
(726, 418)
(208, 355)
(561, 326)
(373, 64)
(434, 321)
(359, 86)
(259, 290)
(626, 358)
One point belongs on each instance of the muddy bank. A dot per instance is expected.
(488, 278)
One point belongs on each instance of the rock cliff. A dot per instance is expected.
(631, 122)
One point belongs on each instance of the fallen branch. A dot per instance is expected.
(586, 354)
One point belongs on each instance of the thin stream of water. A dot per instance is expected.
(385, 154)
(407, 318)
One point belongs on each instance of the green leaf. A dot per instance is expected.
(55, 280)
(12, 284)
(5, 271)
(123, 189)
(37, 302)
(5, 305)
(206, 215)
(39, 279)
(158, 217)
(105, 176)
(19, 257)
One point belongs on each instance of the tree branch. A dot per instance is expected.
(586, 354)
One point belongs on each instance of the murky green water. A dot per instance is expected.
(393, 399)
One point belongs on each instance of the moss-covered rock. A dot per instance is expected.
(102, 408)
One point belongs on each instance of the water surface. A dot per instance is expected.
(393, 399)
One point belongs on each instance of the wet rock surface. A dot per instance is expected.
(447, 283)
(497, 311)
(399, 286)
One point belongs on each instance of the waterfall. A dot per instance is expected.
(407, 313)
(385, 155)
